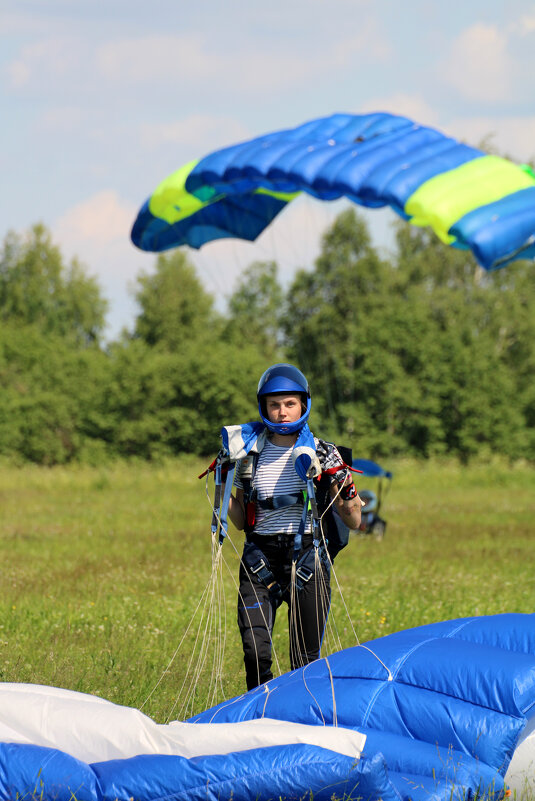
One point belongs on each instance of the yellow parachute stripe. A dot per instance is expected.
(447, 197)
(287, 196)
(171, 202)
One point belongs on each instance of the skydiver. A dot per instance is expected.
(269, 504)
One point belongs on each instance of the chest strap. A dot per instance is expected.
(281, 501)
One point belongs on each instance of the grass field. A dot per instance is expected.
(101, 570)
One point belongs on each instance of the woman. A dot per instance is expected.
(285, 556)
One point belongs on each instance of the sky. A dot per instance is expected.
(101, 99)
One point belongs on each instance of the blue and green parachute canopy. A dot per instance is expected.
(471, 199)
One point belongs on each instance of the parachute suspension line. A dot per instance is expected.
(177, 649)
(309, 691)
(330, 629)
(296, 633)
(231, 573)
(215, 632)
(292, 618)
(267, 690)
(222, 526)
(390, 676)
(211, 628)
(359, 644)
(331, 679)
(210, 267)
(219, 639)
(201, 646)
(333, 693)
(196, 669)
(226, 706)
(333, 572)
(219, 525)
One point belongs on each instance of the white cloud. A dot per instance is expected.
(98, 232)
(65, 120)
(513, 135)
(525, 26)
(18, 74)
(196, 131)
(14, 23)
(192, 61)
(49, 63)
(408, 105)
(369, 40)
(479, 65)
(100, 220)
(151, 58)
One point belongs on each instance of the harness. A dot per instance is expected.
(224, 471)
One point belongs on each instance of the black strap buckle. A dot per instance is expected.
(257, 567)
(304, 573)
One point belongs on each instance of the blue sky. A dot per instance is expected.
(102, 99)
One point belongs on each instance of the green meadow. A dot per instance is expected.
(102, 570)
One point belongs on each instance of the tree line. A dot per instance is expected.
(420, 353)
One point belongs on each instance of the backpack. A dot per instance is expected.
(335, 530)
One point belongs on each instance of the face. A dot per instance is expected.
(283, 408)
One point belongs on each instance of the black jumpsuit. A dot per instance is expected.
(308, 606)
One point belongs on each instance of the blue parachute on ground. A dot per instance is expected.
(445, 710)
(471, 199)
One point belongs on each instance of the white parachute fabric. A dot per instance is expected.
(55, 742)
(520, 776)
(92, 729)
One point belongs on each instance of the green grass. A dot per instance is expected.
(102, 569)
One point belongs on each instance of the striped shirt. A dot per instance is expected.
(275, 475)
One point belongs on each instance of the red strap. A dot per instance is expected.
(332, 470)
(250, 513)
(209, 469)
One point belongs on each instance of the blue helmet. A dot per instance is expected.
(283, 379)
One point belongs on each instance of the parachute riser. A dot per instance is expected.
(223, 479)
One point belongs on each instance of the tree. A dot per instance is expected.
(51, 394)
(256, 309)
(174, 306)
(426, 354)
(163, 403)
(36, 288)
(470, 329)
(334, 330)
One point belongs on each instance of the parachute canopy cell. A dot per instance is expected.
(471, 199)
(443, 711)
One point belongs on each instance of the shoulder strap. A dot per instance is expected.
(309, 505)
(249, 492)
(227, 491)
(223, 471)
